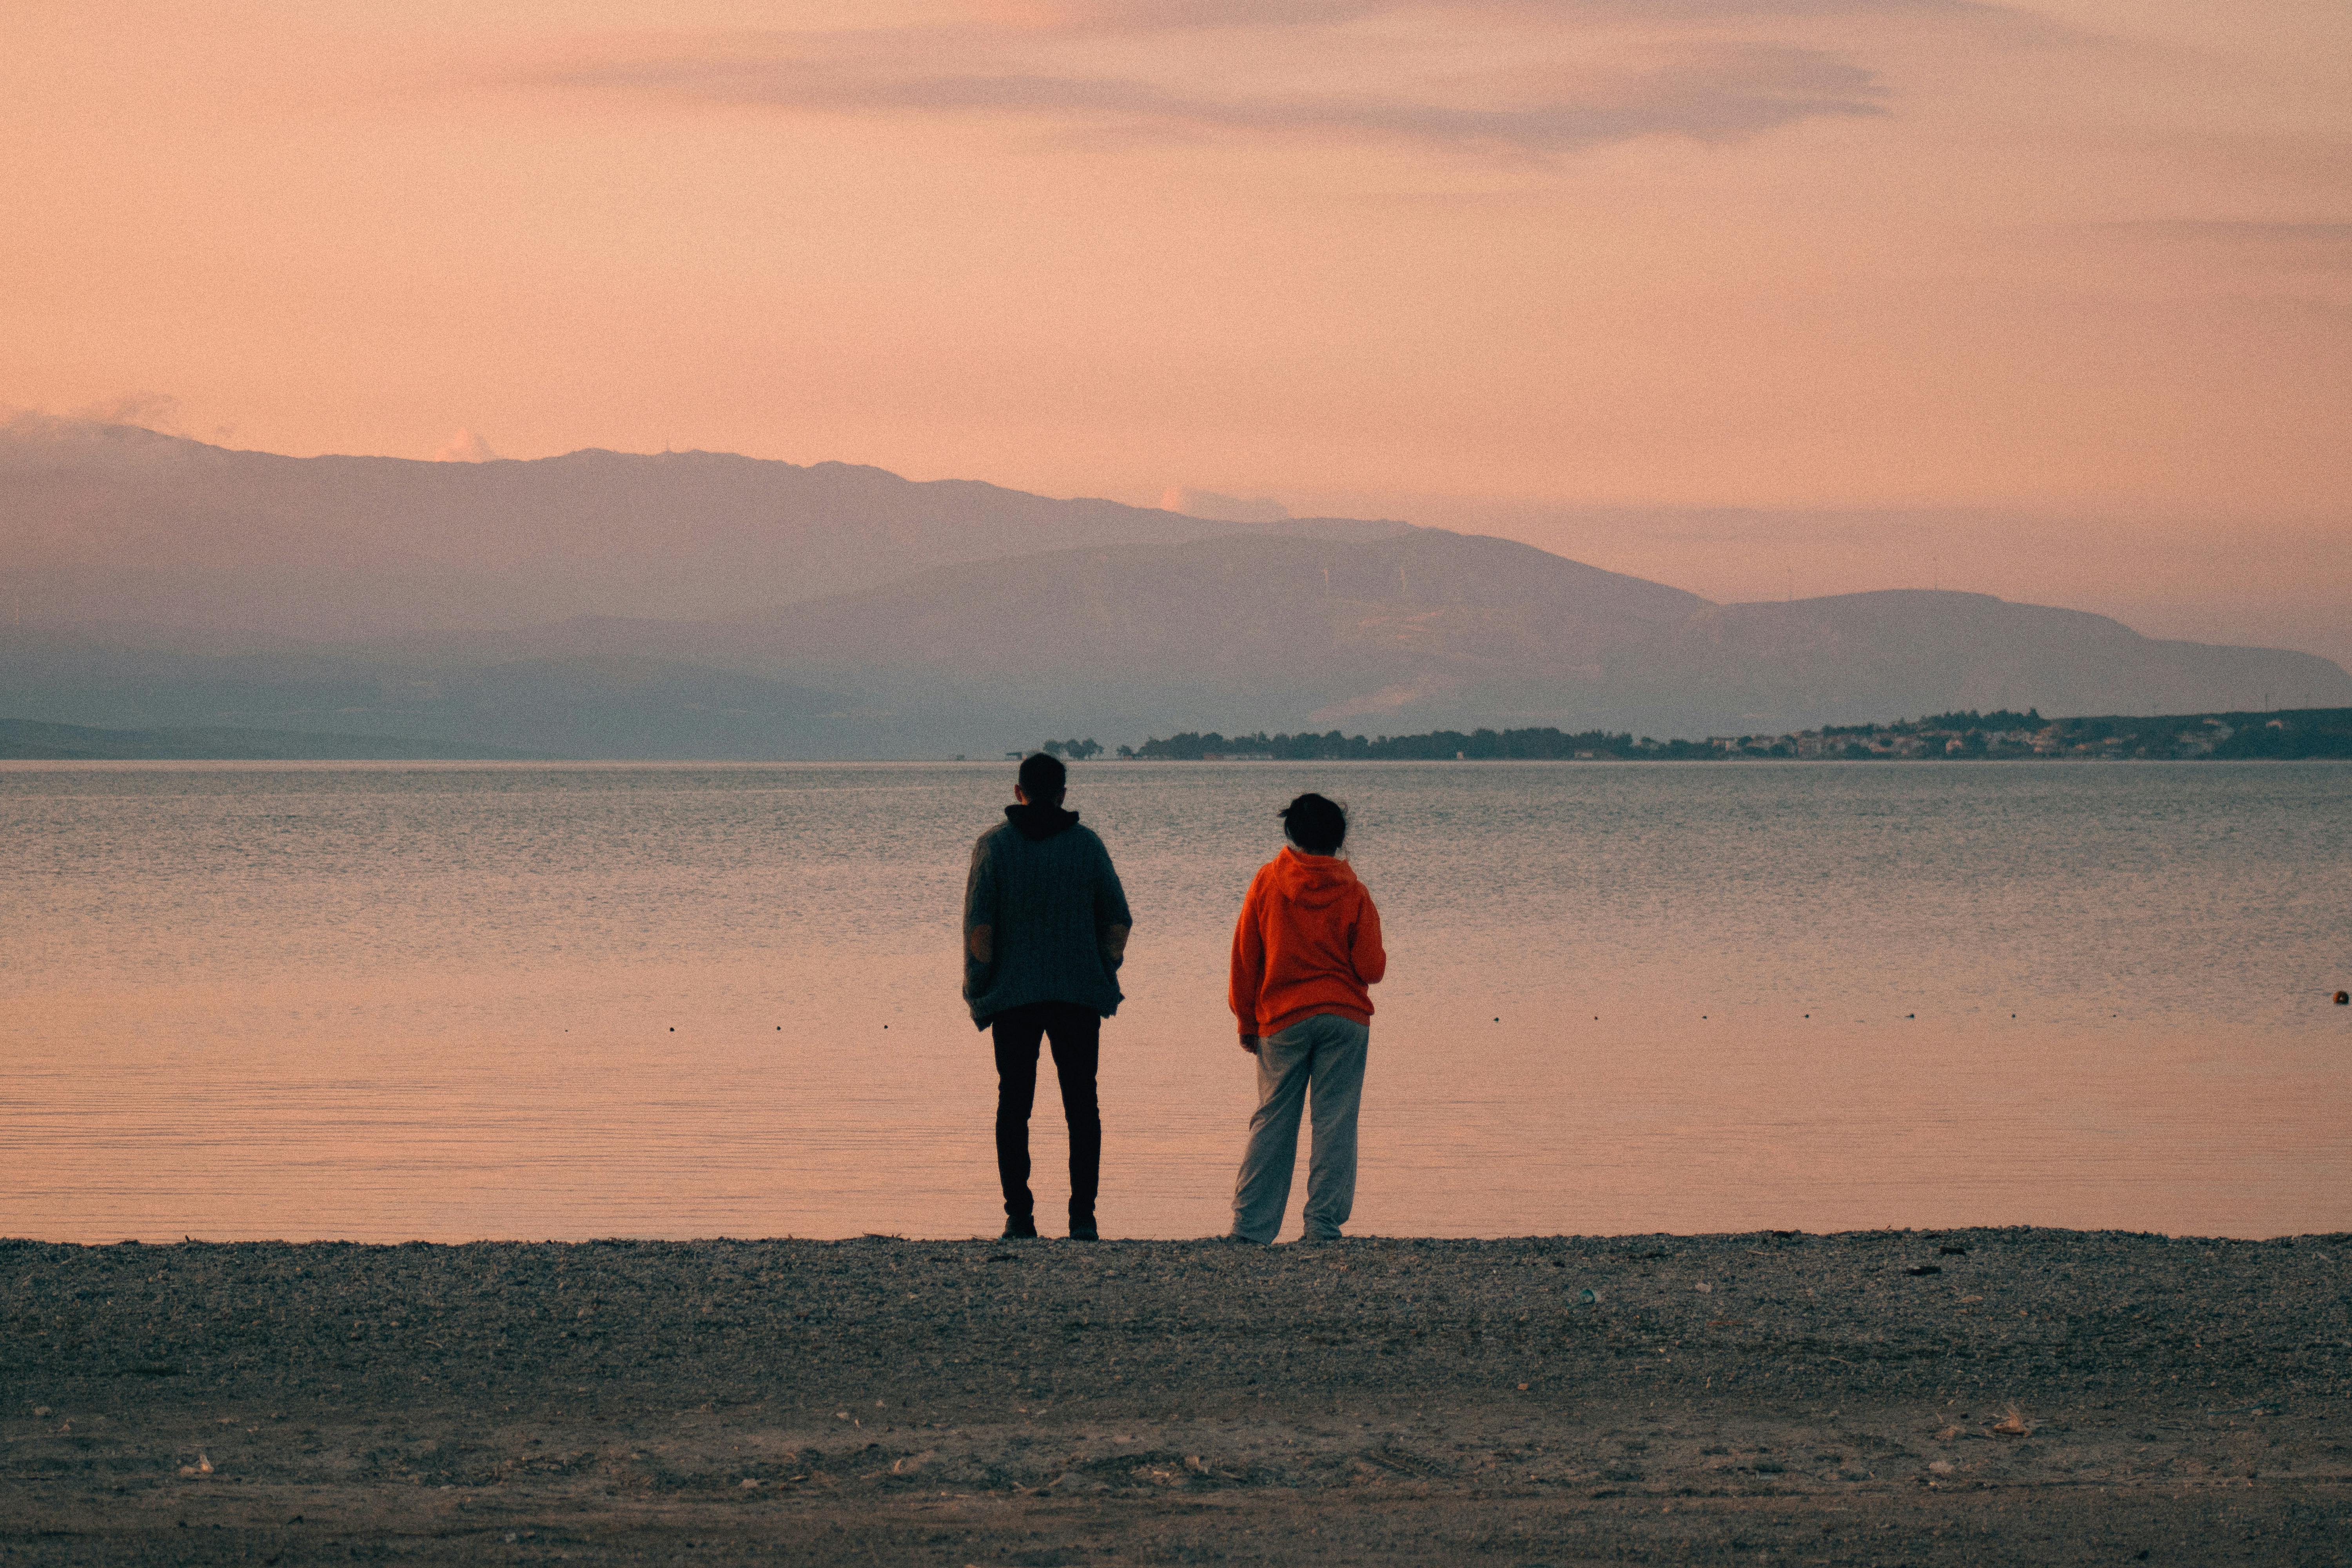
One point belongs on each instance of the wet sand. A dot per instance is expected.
(1988, 1396)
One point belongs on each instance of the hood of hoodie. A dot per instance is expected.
(1038, 823)
(1313, 881)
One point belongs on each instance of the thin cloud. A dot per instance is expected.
(1533, 79)
(148, 410)
(1710, 92)
(2289, 244)
(1219, 508)
(1155, 15)
(2256, 232)
(127, 433)
(1158, 15)
(464, 446)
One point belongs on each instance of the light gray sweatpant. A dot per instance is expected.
(1327, 1052)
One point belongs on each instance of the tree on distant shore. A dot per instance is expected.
(1076, 751)
(1444, 745)
(1966, 718)
(2311, 732)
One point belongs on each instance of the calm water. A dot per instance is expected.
(397, 1001)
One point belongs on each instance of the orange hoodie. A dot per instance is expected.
(1308, 942)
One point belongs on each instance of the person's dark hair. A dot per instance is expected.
(1044, 778)
(1316, 825)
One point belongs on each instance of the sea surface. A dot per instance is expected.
(397, 1001)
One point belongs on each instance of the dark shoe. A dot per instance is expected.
(1019, 1230)
(1084, 1230)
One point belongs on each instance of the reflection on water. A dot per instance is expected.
(397, 1001)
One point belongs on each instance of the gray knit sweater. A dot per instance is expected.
(1046, 887)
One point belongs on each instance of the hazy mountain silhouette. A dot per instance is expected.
(955, 633)
(611, 706)
(121, 526)
(1435, 629)
(23, 739)
(1911, 651)
(1243, 628)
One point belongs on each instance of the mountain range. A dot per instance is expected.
(603, 604)
(117, 526)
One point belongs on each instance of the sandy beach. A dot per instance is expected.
(1888, 1397)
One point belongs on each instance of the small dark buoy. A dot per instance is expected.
(2344, 998)
(673, 1028)
(1498, 1020)
(1910, 1014)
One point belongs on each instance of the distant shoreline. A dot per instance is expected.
(34, 740)
(2278, 735)
(2284, 734)
(9, 759)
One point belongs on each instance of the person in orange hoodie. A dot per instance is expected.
(1305, 949)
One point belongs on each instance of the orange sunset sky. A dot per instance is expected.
(2052, 301)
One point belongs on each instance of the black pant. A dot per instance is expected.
(1077, 1035)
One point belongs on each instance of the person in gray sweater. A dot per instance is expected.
(1045, 931)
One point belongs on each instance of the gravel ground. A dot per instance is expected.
(1988, 1396)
